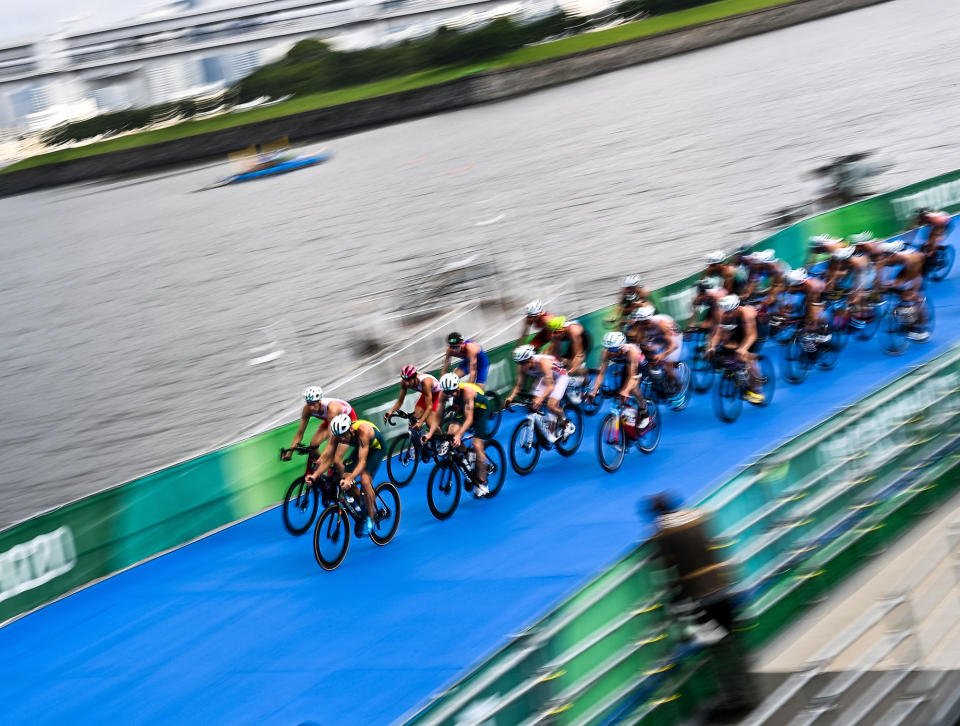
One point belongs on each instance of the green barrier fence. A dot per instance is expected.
(58, 551)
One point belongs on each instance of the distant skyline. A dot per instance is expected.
(42, 17)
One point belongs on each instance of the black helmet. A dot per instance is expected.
(454, 339)
(742, 250)
(921, 212)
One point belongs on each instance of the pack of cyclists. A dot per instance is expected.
(739, 301)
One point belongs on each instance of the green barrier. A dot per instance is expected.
(58, 551)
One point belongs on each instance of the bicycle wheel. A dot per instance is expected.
(701, 373)
(796, 361)
(524, 449)
(839, 328)
(650, 438)
(830, 351)
(387, 519)
(942, 263)
(496, 466)
(611, 443)
(727, 398)
(299, 506)
(331, 537)
(893, 335)
(494, 413)
(769, 379)
(569, 445)
(682, 395)
(590, 407)
(866, 323)
(443, 489)
(402, 460)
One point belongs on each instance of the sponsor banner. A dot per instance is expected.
(125, 525)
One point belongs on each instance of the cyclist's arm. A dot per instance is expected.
(396, 406)
(668, 333)
(301, 429)
(472, 360)
(518, 384)
(435, 420)
(326, 459)
(446, 362)
(600, 374)
(579, 356)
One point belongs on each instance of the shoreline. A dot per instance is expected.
(470, 90)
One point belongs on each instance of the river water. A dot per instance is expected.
(132, 309)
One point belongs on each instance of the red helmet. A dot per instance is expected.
(408, 372)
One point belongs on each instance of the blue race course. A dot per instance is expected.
(243, 627)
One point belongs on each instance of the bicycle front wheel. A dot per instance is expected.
(568, 446)
(299, 506)
(387, 518)
(592, 405)
(524, 449)
(796, 361)
(893, 336)
(331, 537)
(611, 445)
(443, 489)
(402, 460)
(727, 400)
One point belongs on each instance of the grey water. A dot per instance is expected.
(132, 309)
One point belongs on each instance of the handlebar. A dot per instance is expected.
(298, 449)
(401, 414)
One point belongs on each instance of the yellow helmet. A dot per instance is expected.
(556, 322)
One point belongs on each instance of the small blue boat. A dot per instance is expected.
(275, 167)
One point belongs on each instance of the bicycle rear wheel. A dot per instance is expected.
(387, 518)
(331, 537)
(299, 506)
(524, 449)
(682, 396)
(569, 445)
(611, 443)
(402, 460)
(591, 406)
(650, 438)
(727, 401)
(769, 379)
(443, 489)
(796, 361)
(496, 466)
(494, 413)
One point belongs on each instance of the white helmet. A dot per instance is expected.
(715, 257)
(523, 353)
(728, 303)
(893, 246)
(449, 382)
(614, 340)
(843, 253)
(862, 237)
(340, 424)
(795, 277)
(312, 393)
(535, 307)
(644, 312)
(823, 239)
(763, 256)
(631, 281)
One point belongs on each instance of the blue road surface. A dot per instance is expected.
(243, 627)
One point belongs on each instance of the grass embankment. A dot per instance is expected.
(544, 51)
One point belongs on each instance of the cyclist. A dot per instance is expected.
(718, 267)
(473, 359)
(822, 244)
(571, 343)
(552, 380)
(616, 349)
(428, 404)
(939, 223)
(908, 282)
(325, 409)
(469, 407)
(632, 295)
(660, 339)
(704, 314)
(807, 294)
(365, 442)
(736, 334)
(536, 320)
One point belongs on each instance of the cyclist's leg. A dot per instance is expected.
(553, 402)
(480, 468)
(483, 368)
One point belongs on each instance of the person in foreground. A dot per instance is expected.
(365, 442)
